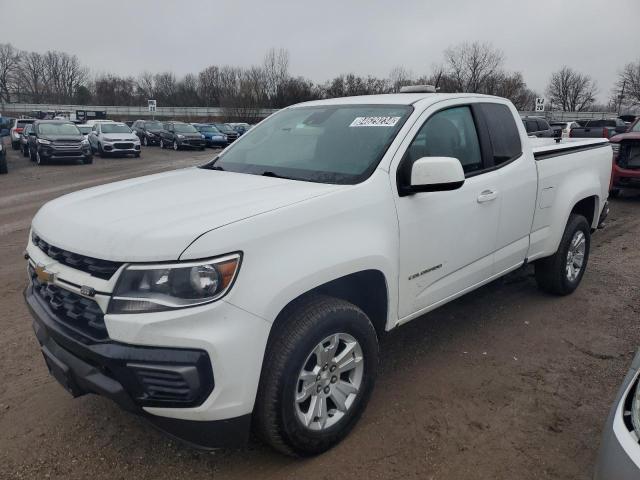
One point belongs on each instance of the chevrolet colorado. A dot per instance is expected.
(250, 292)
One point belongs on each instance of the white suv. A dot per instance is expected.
(113, 138)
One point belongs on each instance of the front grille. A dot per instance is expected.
(67, 142)
(98, 268)
(75, 311)
(123, 146)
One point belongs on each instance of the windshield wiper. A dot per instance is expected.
(212, 165)
(275, 175)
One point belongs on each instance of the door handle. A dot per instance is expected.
(487, 196)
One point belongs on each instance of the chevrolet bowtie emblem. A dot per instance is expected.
(43, 274)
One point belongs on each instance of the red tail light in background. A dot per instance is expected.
(605, 132)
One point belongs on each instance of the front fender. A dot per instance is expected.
(291, 250)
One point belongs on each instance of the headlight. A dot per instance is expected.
(180, 136)
(160, 287)
(149, 134)
(202, 136)
(43, 141)
(85, 142)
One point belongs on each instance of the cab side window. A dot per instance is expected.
(503, 132)
(448, 133)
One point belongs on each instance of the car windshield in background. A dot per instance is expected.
(208, 128)
(225, 128)
(335, 144)
(22, 124)
(58, 129)
(115, 128)
(153, 125)
(84, 129)
(184, 128)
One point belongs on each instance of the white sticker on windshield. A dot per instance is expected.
(374, 121)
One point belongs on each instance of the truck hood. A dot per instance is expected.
(156, 217)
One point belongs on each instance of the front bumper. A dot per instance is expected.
(121, 148)
(137, 378)
(625, 178)
(50, 152)
(619, 456)
(191, 143)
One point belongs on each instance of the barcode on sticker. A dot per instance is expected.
(374, 121)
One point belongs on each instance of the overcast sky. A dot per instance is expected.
(330, 37)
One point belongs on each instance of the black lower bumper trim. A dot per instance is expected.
(135, 377)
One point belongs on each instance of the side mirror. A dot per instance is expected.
(436, 174)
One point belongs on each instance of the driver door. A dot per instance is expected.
(447, 238)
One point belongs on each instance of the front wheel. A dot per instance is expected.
(87, 160)
(319, 370)
(162, 144)
(176, 147)
(39, 159)
(145, 141)
(25, 152)
(562, 272)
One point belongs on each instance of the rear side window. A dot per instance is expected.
(449, 133)
(542, 124)
(503, 132)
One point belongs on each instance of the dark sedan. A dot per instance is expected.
(149, 131)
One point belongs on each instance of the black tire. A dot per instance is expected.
(3, 166)
(136, 155)
(15, 145)
(551, 272)
(100, 150)
(145, 141)
(306, 323)
(25, 152)
(32, 156)
(176, 147)
(162, 143)
(88, 160)
(202, 148)
(39, 160)
(615, 192)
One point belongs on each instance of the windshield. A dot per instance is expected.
(225, 128)
(58, 129)
(184, 128)
(208, 128)
(153, 125)
(115, 128)
(332, 144)
(84, 129)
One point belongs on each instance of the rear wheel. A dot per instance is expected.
(15, 145)
(562, 272)
(317, 377)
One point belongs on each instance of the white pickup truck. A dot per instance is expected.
(250, 293)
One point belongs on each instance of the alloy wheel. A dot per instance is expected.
(575, 255)
(329, 381)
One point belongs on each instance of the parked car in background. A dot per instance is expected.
(626, 160)
(241, 128)
(24, 140)
(619, 456)
(51, 140)
(129, 123)
(598, 128)
(231, 134)
(179, 135)
(628, 119)
(85, 129)
(3, 156)
(538, 127)
(212, 136)
(252, 292)
(148, 131)
(112, 138)
(18, 126)
(562, 129)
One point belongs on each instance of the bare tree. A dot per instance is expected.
(9, 66)
(32, 76)
(275, 68)
(469, 65)
(626, 93)
(571, 91)
(400, 77)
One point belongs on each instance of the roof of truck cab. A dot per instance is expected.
(392, 99)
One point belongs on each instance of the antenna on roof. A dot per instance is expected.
(418, 89)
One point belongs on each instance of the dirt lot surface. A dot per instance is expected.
(505, 383)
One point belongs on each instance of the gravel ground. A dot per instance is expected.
(505, 383)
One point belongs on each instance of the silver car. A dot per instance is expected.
(113, 138)
(619, 457)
